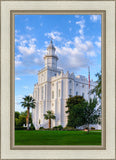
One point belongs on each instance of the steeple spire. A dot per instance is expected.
(51, 40)
(51, 49)
(51, 58)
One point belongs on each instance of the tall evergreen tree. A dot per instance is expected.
(75, 107)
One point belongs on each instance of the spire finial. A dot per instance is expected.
(51, 40)
(51, 46)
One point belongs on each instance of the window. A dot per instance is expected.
(59, 92)
(38, 92)
(70, 91)
(35, 94)
(52, 84)
(42, 93)
(70, 81)
(83, 86)
(76, 93)
(42, 78)
(45, 91)
(83, 95)
(52, 94)
(77, 84)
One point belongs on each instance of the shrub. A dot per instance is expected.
(86, 128)
(20, 128)
(41, 128)
(55, 128)
(32, 127)
(92, 128)
(48, 129)
(59, 127)
(67, 128)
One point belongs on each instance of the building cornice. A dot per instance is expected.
(48, 68)
(52, 56)
(62, 79)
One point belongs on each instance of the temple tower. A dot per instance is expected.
(51, 58)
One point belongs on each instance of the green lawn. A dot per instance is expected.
(23, 137)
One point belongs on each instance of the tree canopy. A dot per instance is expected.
(75, 107)
(28, 102)
(91, 113)
(17, 114)
(20, 120)
(80, 112)
(97, 89)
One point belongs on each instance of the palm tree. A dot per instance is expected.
(49, 116)
(28, 102)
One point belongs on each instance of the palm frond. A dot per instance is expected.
(28, 101)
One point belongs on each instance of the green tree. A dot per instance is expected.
(80, 112)
(91, 115)
(25, 114)
(97, 89)
(21, 121)
(17, 114)
(75, 107)
(16, 122)
(49, 116)
(28, 102)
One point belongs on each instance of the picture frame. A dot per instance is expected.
(8, 10)
(54, 147)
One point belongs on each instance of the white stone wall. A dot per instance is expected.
(52, 92)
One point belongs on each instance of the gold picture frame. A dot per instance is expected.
(9, 6)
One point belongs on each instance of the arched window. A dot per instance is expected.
(83, 95)
(76, 93)
(45, 90)
(70, 92)
(38, 92)
(42, 93)
(52, 94)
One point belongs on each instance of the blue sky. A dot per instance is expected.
(77, 39)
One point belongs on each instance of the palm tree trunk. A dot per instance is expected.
(26, 121)
(49, 123)
(28, 118)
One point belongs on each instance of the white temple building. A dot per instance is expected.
(53, 89)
